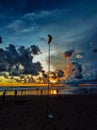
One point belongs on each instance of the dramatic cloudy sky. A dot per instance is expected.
(72, 23)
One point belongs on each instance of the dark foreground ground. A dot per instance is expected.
(71, 112)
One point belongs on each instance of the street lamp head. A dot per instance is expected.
(49, 38)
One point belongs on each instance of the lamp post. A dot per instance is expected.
(49, 41)
(49, 115)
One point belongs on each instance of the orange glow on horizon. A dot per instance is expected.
(39, 80)
(53, 92)
(54, 81)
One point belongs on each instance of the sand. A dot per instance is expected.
(70, 112)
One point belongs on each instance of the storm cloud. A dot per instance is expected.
(17, 61)
(68, 53)
(77, 70)
(60, 73)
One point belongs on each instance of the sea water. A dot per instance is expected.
(52, 90)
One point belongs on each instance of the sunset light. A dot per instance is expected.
(48, 64)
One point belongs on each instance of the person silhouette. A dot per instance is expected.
(15, 94)
(3, 96)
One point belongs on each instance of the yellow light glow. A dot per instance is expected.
(53, 92)
(53, 81)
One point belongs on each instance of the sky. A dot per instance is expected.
(72, 24)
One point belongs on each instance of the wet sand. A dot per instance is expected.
(70, 112)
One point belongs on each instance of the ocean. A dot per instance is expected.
(53, 90)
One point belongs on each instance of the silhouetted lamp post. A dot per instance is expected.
(49, 41)
(49, 115)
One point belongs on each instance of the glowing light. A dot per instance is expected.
(40, 80)
(79, 56)
(53, 81)
(53, 92)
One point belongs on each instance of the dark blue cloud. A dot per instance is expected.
(11, 58)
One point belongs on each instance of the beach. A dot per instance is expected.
(68, 112)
